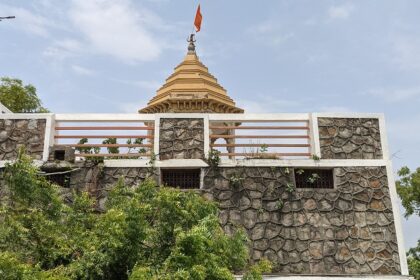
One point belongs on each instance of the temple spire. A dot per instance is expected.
(191, 89)
(191, 45)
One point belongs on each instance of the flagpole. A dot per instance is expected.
(196, 26)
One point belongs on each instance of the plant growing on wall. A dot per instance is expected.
(290, 187)
(300, 171)
(260, 153)
(279, 204)
(235, 180)
(316, 157)
(313, 178)
(213, 158)
(263, 148)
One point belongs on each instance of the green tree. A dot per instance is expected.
(147, 232)
(408, 188)
(20, 98)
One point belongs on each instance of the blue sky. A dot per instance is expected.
(272, 56)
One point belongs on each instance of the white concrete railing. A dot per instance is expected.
(117, 136)
(236, 135)
(265, 136)
(251, 136)
(262, 136)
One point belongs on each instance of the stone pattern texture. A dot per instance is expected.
(345, 230)
(15, 133)
(347, 138)
(181, 139)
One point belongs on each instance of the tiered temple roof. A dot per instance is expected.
(191, 89)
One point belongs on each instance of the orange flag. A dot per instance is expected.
(198, 18)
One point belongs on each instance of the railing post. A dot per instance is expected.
(49, 136)
(206, 135)
(156, 136)
(314, 135)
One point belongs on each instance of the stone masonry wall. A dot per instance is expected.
(181, 139)
(15, 133)
(345, 230)
(346, 138)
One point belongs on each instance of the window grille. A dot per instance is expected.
(314, 178)
(181, 178)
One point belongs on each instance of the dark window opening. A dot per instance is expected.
(314, 178)
(59, 154)
(62, 180)
(181, 178)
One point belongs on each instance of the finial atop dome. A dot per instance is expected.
(191, 45)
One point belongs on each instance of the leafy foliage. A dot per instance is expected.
(20, 98)
(256, 270)
(263, 148)
(146, 232)
(313, 178)
(137, 141)
(235, 180)
(413, 259)
(213, 158)
(89, 150)
(112, 141)
(408, 188)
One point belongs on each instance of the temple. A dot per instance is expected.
(314, 192)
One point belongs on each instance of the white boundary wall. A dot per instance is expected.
(315, 149)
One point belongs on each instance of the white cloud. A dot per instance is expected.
(27, 21)
(340, 12)
(396, 95)
(407, 53)
(117, 28)
(82, 70)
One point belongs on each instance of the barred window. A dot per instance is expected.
(314, 178)
(181, 178)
